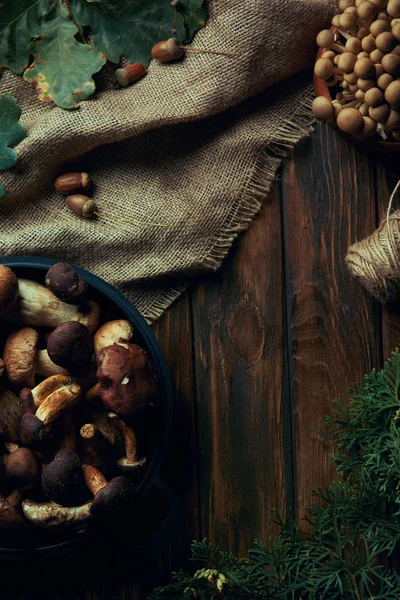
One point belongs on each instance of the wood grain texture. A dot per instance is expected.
(243, 416)
(333, 328)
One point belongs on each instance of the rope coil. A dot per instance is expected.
(375, 261)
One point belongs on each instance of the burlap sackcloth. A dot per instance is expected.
(205, 180)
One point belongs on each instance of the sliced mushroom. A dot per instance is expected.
(109, 497)
(66, 284)
(129, 465)
(38, 306)
(49, 514)
(128, 379)
(112, 332)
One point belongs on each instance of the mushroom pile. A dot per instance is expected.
(360, 62)
(73, 392)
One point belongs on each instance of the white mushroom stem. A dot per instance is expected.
(57, 402)
(44, 365)
(128, 435)
(40, 307)
(346, 35)
(363, 108)
(49, 514)
(47, 387)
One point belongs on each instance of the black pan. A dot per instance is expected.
(116, 306)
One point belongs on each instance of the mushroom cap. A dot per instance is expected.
(62, 479)
(114, 498)
(19, 356)
(128, 379)
(66, 284)
(70, 345)
(112, 332)
(34, 434)
(10, 416)
(22, 468)
(8, 289)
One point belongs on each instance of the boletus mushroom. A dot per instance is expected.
(70, 345)
(66, 284)
(113, 332)
(38, 306)
(8, 289)
(62, 479)
(22, 469)
(35, 428)
(10, 514)
(111, 498)
(10, 416)
(129, 464)
(127, 378)
(49, 514)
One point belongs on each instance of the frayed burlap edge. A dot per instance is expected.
(298, 125)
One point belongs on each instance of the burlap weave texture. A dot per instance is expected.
(193, 146)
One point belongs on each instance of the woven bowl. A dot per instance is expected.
(373, 144)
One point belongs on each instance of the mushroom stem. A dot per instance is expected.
(65, 397)
(94, 479)
(49, 514)
(46, 367)
(48, 386)
(92, 435)
(69, 439)
(94, 392)
(128, 435)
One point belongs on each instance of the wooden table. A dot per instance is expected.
(257, 352)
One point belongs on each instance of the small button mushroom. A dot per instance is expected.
(353, 45)
(38, 306)
(376, 57)
(348, 21)
(368, 43)
(129, 465)
(365, 84)
(384, 80)
(326, 39)
(349, 120)
(374, 97)
(346, 63)
(35, 428)
(324, 68)
(49, 515)
(62, 479)
(379, 113)
(66, 284)
(115, 331)
(70, 345)
(128, 379)
(393, 8)
(393, 120)
(364, 68)
(110, 498)
(8, 289)
(391, 63)
(385, 41)
(22, 469)
(392, 93)
(379, 26)
(367, 10)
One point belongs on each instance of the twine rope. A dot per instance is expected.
(375, 261)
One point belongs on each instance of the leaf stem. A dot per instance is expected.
(75, 22)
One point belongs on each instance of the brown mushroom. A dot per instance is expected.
(38, 306)
(129, 465)
(112, 332)
(51, 515)
(128, 379)
(10, 416)
(22, 469)
(19, 356)
(112, 498)
(8, 289)
(66, 284)
(70, 345)
(35, 428)
(10, 514)
(62, 479)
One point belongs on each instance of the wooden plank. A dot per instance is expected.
(242, 414)
(334, 334)
(387, 175)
